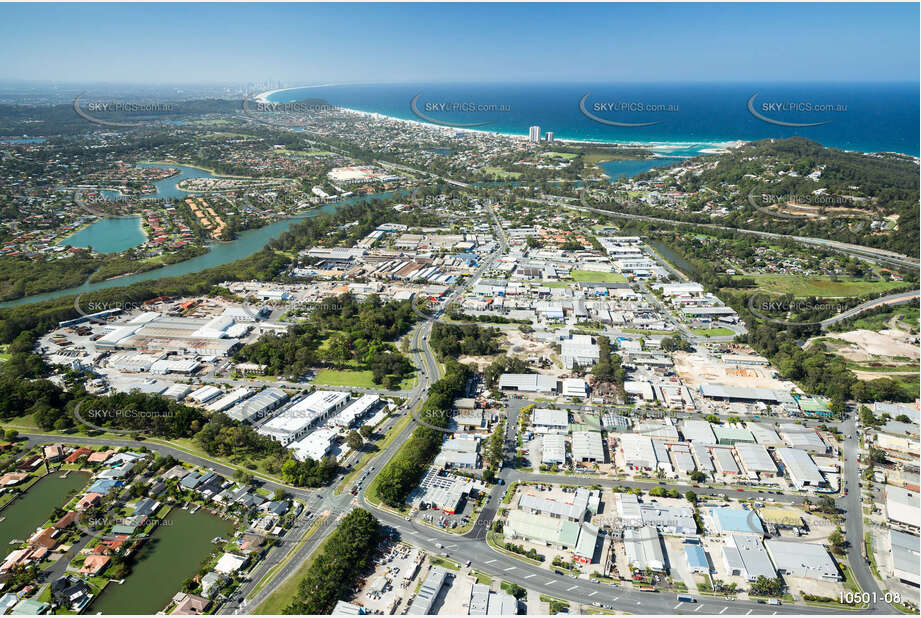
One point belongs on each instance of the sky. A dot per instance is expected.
(303, 44)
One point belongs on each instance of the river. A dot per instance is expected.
(173, 553)
(246, 244)
(29, 511)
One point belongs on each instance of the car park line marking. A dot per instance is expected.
(698, 607)
(552, 581)
(571, 588)
(593, 593)
(679, 605)
(434, 538)
(489, 561)
(529, 576)
(615, 598)
(724, 609)
(748, 612)
(510, 569)
(450, 546)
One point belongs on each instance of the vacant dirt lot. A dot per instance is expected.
(867, 345)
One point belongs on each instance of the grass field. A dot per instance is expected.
(560, 155)
(713, 332)
(349, 377)
(590, 275)
(908, 315)
(820, 286)
(501, 173)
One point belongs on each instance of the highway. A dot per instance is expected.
(891, 299)
(867, 253)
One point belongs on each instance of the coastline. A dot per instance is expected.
(713, 147)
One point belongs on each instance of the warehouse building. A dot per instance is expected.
(356, 410)
(229, 400)
(578, 538)
(459, 453)
(258, 406)
(553, 449)
(802, 560)
(697, 558)
(428, 593)
(764, 435)
(639, 453)
(643, 547)
(903, 506)
(579, 351)
(723, 392)
(528, 383)
(756, 461)
(800, 467)
(730, 435)
(803, 438)
(573, 511)
(544, 420)
(906, 557)
(728, 521)
(587, 447)
(315, 446)
(725, 462)
(745, 556)
(484, 602)
(699, 432)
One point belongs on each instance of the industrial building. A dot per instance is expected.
(579, 351)
(699, 432)
(802, 560)
(484, 602)
(745, 556)
(553, 449)
(800, 467)
(643, 547)
(730, 521)
(906, 557)
(697, 558)
(639, 453)
(903, 506)
(428, 593)
(544, 420)
(258, 406)
(528, 383)
(579, 538)
(756, 461)
(587, 447)
(572, 511)
(295, 422)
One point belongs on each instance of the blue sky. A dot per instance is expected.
(318, 43)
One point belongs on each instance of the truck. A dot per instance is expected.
(773, 601)
(687, 599)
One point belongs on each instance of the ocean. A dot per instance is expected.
(689, 118)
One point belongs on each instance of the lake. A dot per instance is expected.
(631, 167)
(29, 511)
(167, 188)
(172, 554)
(109, 235)
(246, 244)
